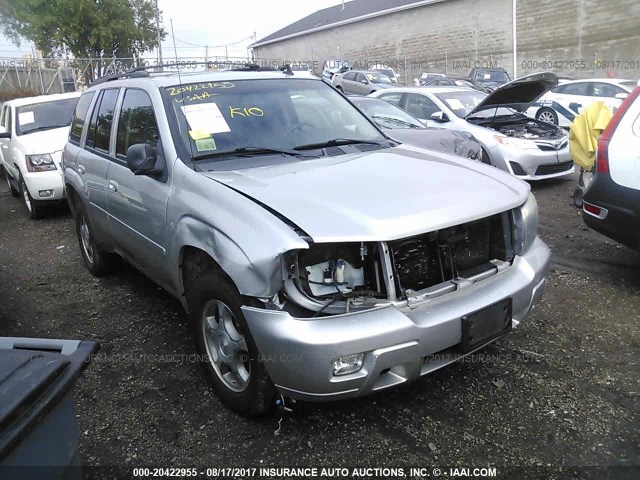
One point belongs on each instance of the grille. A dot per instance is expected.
(432, 258)
(548, 147)
(554, 168)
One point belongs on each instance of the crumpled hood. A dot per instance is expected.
(462, 144)
(45, 141)
(376, 196)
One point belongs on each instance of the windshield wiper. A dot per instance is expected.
(397, 121)
(247, 151)
(335, 142)
(43, 127)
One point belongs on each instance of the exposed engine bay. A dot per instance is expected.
(523, 127)
(340, 277)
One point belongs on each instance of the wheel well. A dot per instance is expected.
(72, 198)
(194, 263)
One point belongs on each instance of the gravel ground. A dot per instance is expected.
(562, 390)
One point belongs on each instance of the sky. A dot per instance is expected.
(214, 23)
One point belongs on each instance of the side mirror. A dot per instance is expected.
(141, 159)
(365, 81)
(439, 117)
(621, 96)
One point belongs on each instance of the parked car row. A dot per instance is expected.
(527, 148)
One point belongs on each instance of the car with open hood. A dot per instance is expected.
(528, 148)
(33, 132)
(316, 257)
(401, 126)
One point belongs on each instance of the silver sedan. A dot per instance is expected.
(527, 148)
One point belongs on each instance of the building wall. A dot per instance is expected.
(573, 38)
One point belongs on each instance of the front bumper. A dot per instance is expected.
(399, 344)
(532, 162)
(41, 181)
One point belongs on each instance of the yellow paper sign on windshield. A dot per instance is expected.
(198, 134)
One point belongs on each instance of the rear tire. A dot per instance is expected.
(485, 157)
(223, 338)
(97, 261)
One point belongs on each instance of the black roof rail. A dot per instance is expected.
(135, 73)
(139, 72)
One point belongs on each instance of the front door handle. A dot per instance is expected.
(113, 185)
(81, 169)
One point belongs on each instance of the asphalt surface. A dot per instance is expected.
(561, 390)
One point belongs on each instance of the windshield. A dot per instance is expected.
(492, 76)
(45, 115)
(376, 77)
(629, 84)
(387, 71)
(461, 102)
(216, 118)
(387, 115)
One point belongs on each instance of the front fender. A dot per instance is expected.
(257, 277)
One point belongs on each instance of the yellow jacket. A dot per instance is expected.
(585, 131)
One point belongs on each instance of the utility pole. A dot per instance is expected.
(515, 47)
(158, 33)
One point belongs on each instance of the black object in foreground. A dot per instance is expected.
(38, 423)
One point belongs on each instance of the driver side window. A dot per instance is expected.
(420, 106)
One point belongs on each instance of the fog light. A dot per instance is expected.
(347, 364)
(46, 193)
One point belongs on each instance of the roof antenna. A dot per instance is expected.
(180, 83)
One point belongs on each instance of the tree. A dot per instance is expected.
(87, 28)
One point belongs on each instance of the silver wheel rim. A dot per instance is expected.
(547, 117)
(85, 238)
(226, 347)
(25, 195)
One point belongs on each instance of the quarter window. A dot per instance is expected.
(78, 121)
(137, 122)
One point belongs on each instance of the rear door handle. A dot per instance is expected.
(81, 169)
(113, 185)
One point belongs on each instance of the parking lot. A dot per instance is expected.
(561, 390)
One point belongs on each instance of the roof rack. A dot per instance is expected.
(140, 72)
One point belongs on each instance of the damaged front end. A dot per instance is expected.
(338, 278)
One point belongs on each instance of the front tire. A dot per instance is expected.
(223, 338)
(97, 261)
(14, 192)
(33, 209)
(547, 115)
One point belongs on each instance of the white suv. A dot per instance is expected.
(612, 201)
(33, 132)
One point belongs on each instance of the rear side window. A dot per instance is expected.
(102, 120)
(137, 122)
(574, 89)
(79, 117)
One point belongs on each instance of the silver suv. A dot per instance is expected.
(317, 258)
